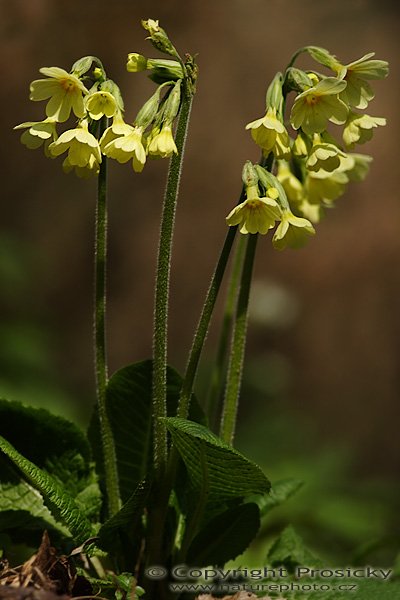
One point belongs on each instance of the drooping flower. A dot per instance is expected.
(90, 170)
(324, 187)
(38, 133)
(256, 215)
(312, 212)
(117, 129)
(101, 104)
(359, 128)
(301, 145)
(313, 108)
(127, 146)
(82, 147)
(270, 134)
(361, 163)
(324, 156)
(292, 231)
(290, 183)
(162, 143)
(65, 91)
(358, 92)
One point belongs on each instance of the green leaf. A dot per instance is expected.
(126, 521)
(225, 537)
(58, 447)
(59, 502)
(289, 551)
(129, 406)
(229, 474)
(22, 511)
(280, 492)
(368, 589)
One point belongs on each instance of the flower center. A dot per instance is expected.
(312, 99)
(67, 85)
(253, 204)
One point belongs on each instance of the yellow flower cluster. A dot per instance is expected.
(312, 169)
(92, 99)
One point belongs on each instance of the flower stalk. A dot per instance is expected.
(217, 375)
(236, 357)
(109, 455)
(162, 290)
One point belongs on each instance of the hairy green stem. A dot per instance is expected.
(162, 291)
(204, 322)
(236, 358)
(109, 455)
(217, 375)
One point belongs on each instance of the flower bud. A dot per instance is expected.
(98, 74)
(297, 80)
(159, 37)
(274, 97)
(172, 103)
(148, 111)
(322, 56)
(163, 70)
(270, 182)
(136, 62)
(82, 65)
(249, 174)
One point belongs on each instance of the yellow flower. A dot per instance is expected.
(90, 170)
(81, 145)
(255, 215)
(314, 107)
(360, 168)
(117, 129)
(323, 187)
(127, 146)
(64, 90)
(324, 156)
(38, 133)
(162, 144)
(270, 134)
(358, 128)
(312, 212)
(301, 145)
(292, 231)
(151, 25)
(358, 92)
(101, 104)
(292, 186)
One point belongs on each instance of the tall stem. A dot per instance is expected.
(204, 322)
(236, 358)
(110, 463)
(162, 291)
(217, 375)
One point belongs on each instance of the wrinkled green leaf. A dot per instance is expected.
(126, 521)
(280, 492)
(229, 473)
(289, 551)
(59, 502)
(58, 447)
(225, 537)
(22, 507)
(129, 406)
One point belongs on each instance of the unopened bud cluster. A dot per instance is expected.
(312, 168)
(86, 94)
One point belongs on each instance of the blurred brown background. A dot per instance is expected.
(324, 341)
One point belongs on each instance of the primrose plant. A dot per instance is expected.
(154, 479)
